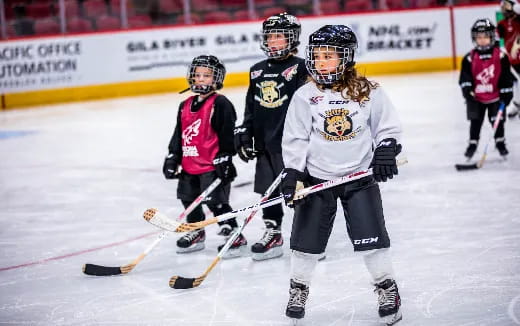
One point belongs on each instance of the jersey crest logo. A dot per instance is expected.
(315, 100)
(484, 77)
(290, 72)
(256, 74)
(270, 91)
(337, 125)
(191, 131)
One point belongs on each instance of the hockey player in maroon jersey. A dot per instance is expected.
(509, 30)
(201, 149)
(485, 79)
(272, 83)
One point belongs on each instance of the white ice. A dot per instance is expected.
(87, 172)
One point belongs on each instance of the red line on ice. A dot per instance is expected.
(77, 253)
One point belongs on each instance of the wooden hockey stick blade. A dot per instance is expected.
(465, 167)
(179, 282)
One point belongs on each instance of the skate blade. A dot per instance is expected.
(272, 253)
(295, 321)
(236, 253)
(392, 319)
(196, 247)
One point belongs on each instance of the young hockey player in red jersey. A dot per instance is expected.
(509, 30)
(331, 128)
(485, 79)
(271, 85)
(201, 148)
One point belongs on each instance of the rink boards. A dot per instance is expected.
(121, 63)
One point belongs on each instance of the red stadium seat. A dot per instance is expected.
(298, 2)
(71, 9)
(234, 4)
(241, 15)
(78, 25)
(330, 7)
(46, 26)
(217, 16)
(264, 3)
(115, 8)
(272, 11)
(95, 8)
(104, 23)
(395, 4)
(204, 5)
(39, 10)
(357, 5)
(139, 21)
(170, 7)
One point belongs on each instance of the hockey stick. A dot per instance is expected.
(480, 163)
(99, 270)
(164, 222)
(179, 282)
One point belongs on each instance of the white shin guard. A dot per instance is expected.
(302, 266)
(379, 264)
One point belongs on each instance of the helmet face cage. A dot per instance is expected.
(291, 37)
(345, 56)
(485, 27)
(218, 73)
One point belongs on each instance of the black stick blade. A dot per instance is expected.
(98, 270)
(464, 167)
(179, 282)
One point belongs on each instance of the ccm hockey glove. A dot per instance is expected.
(224, 167)
(244, 144)
(384, 164)
(171, 166)
(291, 184)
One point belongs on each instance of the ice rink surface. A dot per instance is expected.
(76, 178)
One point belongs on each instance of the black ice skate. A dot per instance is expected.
(513, 110)
(191, 241)
(298, 294)
(501, 147)
(472, 148)
(389, 302)
(270, 246)
(225, 230)
(237, 249)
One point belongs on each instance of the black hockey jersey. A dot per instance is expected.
(272, 84)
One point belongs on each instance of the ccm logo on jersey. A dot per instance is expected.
(315, 100)
(366, 241)
(339, 102)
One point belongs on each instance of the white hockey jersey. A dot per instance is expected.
(332, 136)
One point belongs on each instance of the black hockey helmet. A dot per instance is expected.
(486, 27)
(216, 66)
(508, 7)
(285, 24)
(331, 38)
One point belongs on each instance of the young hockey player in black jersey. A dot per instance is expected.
(202, 145)
(331, 128)
(486, 80)
(271, 85)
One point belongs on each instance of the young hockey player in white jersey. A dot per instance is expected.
(202, 144)
(331, 128)
(271, 85)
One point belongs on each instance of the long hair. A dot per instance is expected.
(354, 86)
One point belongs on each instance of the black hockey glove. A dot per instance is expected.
(171, 166)
(224, 167)
(244, 144)
(291, 184)
(384, 164)
(468, 94)
(506, 95)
